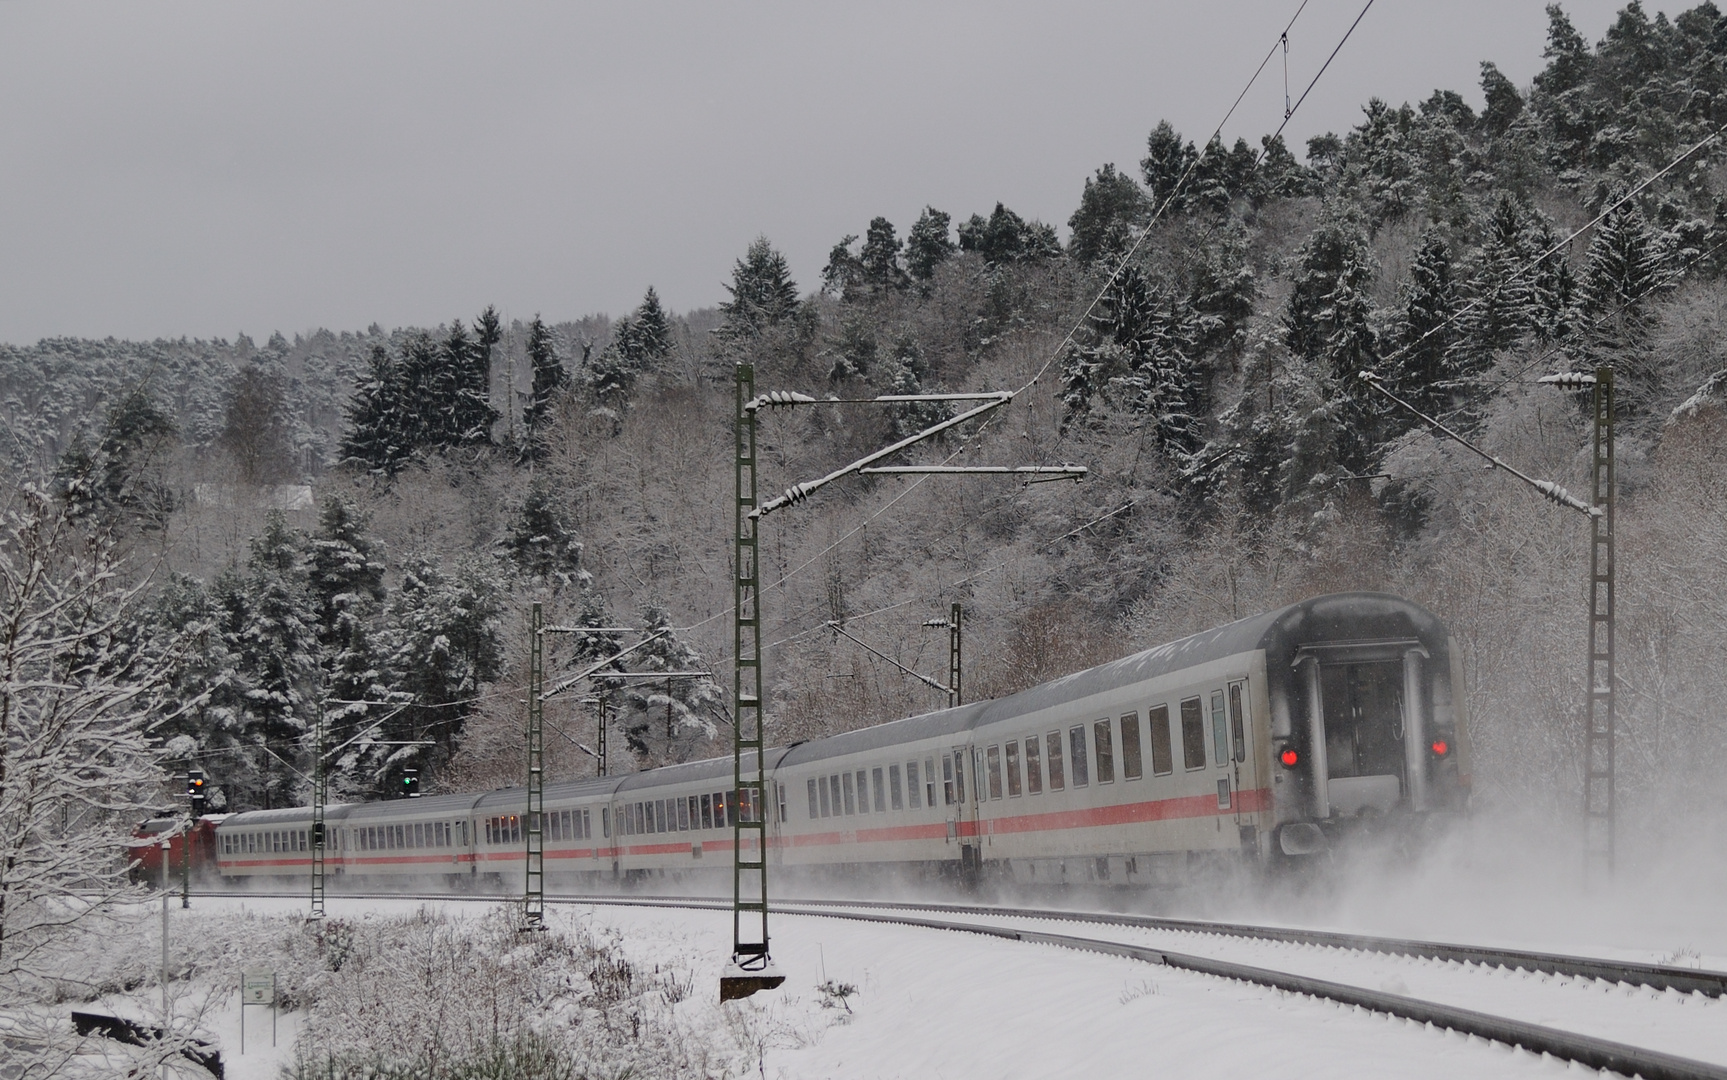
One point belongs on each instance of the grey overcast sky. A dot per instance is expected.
(206, 168)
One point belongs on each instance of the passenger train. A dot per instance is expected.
(1264, 741)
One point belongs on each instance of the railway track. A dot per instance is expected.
(1584, 1049)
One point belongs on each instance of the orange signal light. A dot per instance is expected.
(1441, 747)
(1290, 758)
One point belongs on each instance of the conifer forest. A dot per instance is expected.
(353, 525)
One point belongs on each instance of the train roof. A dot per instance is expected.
(1334, 618)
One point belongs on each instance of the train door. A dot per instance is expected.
(1243, 764)
(1364, 752)
(959, 797)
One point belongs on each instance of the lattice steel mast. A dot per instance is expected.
(534, 880)
(1600, 718)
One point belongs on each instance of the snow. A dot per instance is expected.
(931, 1003)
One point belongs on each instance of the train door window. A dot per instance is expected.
(913, 787)
(879, 789)
(947, 781)
(863, 792)
(1219, 729)
(588, 824)
(1162, 760)
(896, 788)
(1057, 780)
(1033, 768)
(780, 792)
(1193, 733)
(1238, 719)
(846, 786)
(1223, 793)
(929, 781)
(1012, 768)
(993, 757)
(1079, 767)
(959, 775)
(1131, 765)
(1105, 751)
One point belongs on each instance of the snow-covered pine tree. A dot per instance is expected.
(540, 544)
(1110, 207)
(928, 245)
(442, 648)
(674, 720)
(1167, 159)
(653, 330)
(273, 623)
(1424, 370)
(473, 414)
(1327, 321)
(879, 260)
(376, 439)
(551, 379)
(345, 570)
(427, 394)
(762, 292)
(120, 476)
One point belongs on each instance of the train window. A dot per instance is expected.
(780, 791)
(834, 791)
(1193, 733)
(863, 791)
(1237, 724)
(683, 815)
(1105, 752)
(880, 790)
(895, 787)
(719, 809)
(1080, 768)
(959, 775)
(606, 822)
(822, 790)
(588, 824)
(400, 841)
(929, 781)
(1219, 729)
(846, 786)
(913, 787)
(419, 834)
(994, 756)
(947, 781)
(695, 812)
(1131, 768)
(1013, 769)
(1056, 780)
(1033, 768)
(1162, 761)
(1223, 793)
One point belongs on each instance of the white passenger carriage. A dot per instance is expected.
(1261, 740)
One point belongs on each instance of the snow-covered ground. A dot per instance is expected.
(935, 1004)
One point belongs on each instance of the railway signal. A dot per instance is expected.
(195, 791)
(411, 783)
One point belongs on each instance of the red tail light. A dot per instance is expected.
(1290, 758)
(1441, 747)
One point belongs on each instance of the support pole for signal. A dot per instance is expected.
(534, 880)
(1598, 781)
(955, 696)
(600, 737)
(751, 968)
(320, 796)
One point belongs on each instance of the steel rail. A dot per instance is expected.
(1588, 1050)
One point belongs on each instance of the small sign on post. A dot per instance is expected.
(257, 988)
